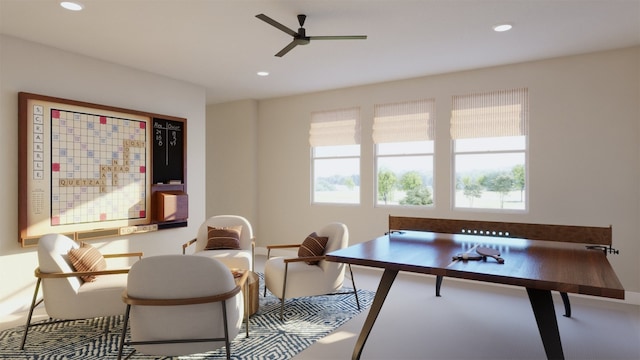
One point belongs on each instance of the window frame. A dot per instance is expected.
(347, 136)
(408, 122)
(516, 127)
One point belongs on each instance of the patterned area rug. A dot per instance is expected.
(307, 320)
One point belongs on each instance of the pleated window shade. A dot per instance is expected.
(491, 114)
(335, 127)
(404, 121)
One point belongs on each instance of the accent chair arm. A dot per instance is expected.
(187, 244)
(42, 275)
(281, 246)
(305, 258)
(132, 254)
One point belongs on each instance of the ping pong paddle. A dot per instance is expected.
(489, 252)
(467, 256)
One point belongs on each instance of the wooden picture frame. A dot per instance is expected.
(86, 170)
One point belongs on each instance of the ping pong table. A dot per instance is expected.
(539, 266)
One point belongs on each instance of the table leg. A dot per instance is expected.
(543, 310)
(381, 294)
(567, 304)
(438, 284)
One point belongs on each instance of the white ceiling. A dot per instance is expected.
(220, 45)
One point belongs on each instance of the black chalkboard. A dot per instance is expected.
(168, 151)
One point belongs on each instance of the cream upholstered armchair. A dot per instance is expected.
(228, 238)
(76, 283)
(309, 273)
(181, 304)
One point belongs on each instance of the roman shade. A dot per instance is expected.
(335, 127)
(490, 114)
(404, 121)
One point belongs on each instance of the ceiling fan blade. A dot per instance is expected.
(342, 37)
(276, 24)
(300, 37)
(287, 48)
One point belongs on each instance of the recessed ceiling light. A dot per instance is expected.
(502, 27)
(263, 73)
(73, 6)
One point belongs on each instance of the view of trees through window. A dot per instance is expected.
(405, 173)
(407, 189)
(493, 178)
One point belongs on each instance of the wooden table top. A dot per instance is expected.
(564, 267)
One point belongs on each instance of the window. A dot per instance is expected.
(489, 132)
(335, 156)
(403, 134)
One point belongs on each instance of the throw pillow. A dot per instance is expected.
(223, 238)
(313, 245)
(87, 258)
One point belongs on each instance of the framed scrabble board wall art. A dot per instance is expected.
(93, 171)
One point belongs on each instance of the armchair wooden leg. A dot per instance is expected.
(253, 257)
(34, 303)
(284, 289)
(246, 307)
(227, 343)
(125, 324)
(284, 285)
(355, 291)
(265, 279)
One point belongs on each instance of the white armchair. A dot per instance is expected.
(240, 258)
(66, 296)
(294, 277)
(181, 304)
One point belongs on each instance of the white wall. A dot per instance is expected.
(232, 145)
(29, 67)
(584, 151)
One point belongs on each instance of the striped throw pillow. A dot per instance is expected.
(313, 245)
(223, 238)
(87, 258)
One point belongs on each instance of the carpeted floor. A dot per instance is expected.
(306, 321)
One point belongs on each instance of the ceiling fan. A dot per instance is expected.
(300, 37)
